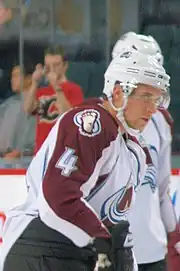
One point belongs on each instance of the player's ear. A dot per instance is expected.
(117, 97)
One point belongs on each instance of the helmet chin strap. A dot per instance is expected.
(120, 117)
(118, 109)
(129, 130)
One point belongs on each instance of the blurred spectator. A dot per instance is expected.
(16, 133)
(47, 103)
(5, 13)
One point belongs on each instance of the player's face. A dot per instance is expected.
(15, 79)
(142, 103)
(55, 63)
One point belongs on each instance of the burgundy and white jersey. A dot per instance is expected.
(152, 215)
(81, 180)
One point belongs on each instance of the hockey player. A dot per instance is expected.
(81, 181)
(153, 213)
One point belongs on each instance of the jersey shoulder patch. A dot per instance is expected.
(93, 120)
(88, 121)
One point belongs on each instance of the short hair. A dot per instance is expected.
(56, 50)
(28, 66)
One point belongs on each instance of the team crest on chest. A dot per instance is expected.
(88, 122)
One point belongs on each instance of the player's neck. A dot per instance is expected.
(113, 113)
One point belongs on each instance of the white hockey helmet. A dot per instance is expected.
(145, 44)
(130, 69)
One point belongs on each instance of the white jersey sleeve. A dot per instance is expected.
(164, 171)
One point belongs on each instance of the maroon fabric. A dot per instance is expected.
(145, 149)
(124, 204)
(173, 256)
(62, 193)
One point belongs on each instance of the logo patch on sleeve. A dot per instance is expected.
(88, 122)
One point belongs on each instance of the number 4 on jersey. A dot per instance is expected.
(67, 162)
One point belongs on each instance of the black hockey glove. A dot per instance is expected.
(103, 251)
(122, 244)
(115, 254)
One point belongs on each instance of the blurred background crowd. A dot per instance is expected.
(76, 38)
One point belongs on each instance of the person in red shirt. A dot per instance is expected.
(47, 103)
